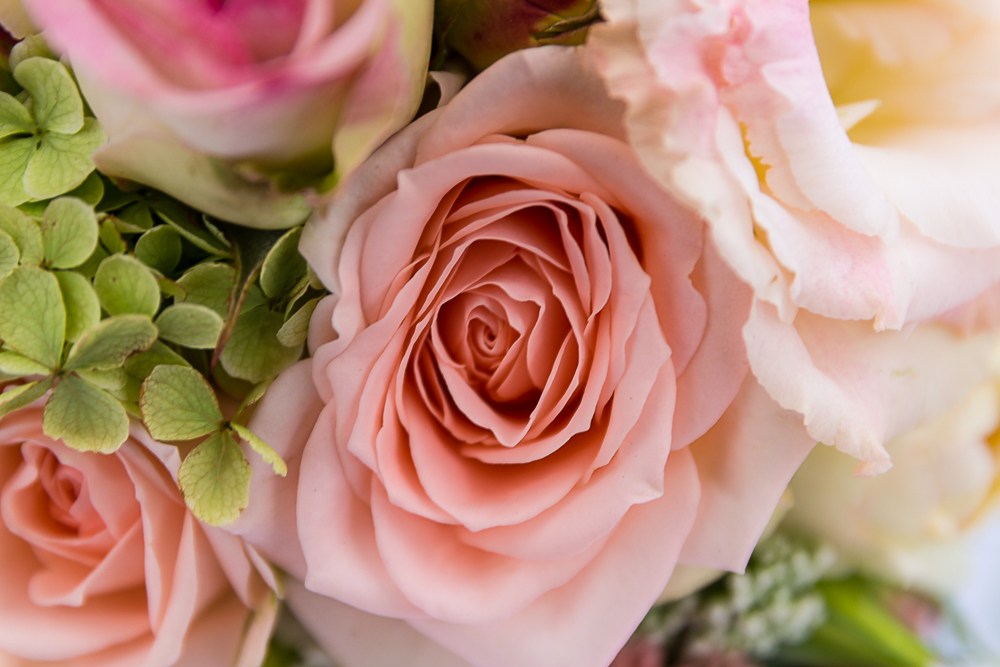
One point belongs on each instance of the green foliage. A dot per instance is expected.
(178, 404)
(270, 456)
(83, 310)
(253, 352)
(109, 343)
(283, 266)
(85, 417)
(190, 325)
(32, 315)
(125, 285)
(25, 233)
(159, 248)
(9, 255)
(209, 285)
(45, 139)
(215, 480)
(23, 395)
(69, 233)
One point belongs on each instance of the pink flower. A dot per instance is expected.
(103, 565)
(529, 400)
(186, 89)
(854, 187)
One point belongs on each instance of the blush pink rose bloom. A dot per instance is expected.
(854, 187)
(528, 399)
(185, 88)
(104, 566)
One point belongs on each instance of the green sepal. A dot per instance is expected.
(69, 232)
(182, 220)
(56, 103)
(83, 310)
(283, 266)
(252, 399)
(209, 285)
(135, 218)
(17, 365)
(9, 254)
(32, 315)
(89, 268)
(14, 118)
(296, 329)
(109, 343)
(160, 248)
(62, 161)
(215, 480)
(29, 47)
(125, 285)
(90, 191)
(142, 364)
(14, 158)
(253, 352)
(178, 404)
(191, 325)
(24, 395)
(111, 237)
(26, 234)
(265, 450)
(85, 417)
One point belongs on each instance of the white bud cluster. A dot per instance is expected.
(774, 604)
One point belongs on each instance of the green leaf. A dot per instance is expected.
(209, 285)
(135, 218)
(9, 254)
(296, 329)
(125, 285)
(191, 325)
(83, 310)
(284, 266)
(142, 364)
(23, 395)
(56, 103)
(29, 47)
(16, 365)
(85, 417)
(111, 380)
(69, 231)
(184, 221)
(14, 118)
(178, 404)
(89, 268)
(215, 480)
(253, 352)
(108, 344)
(111, 237)
(160, 248)
(14, 158)
(252, 398)
(266, 452)
(62, 161)
(32, 315)
(25, 232)
(91, 190)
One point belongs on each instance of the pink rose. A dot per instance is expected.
(529, 400)
(103, 565)
(855, 204)
(187, 89)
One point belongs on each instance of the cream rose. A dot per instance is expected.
(190, 91)
(911, 523)
(103, 565)
(529, 397)
(855, 205)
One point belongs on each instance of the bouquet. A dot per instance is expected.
(494, 333)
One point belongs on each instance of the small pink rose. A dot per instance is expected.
(104, 566)
(845, 156)
(186, 88)
(529, 398)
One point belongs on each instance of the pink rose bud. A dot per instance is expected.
(485, 30)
